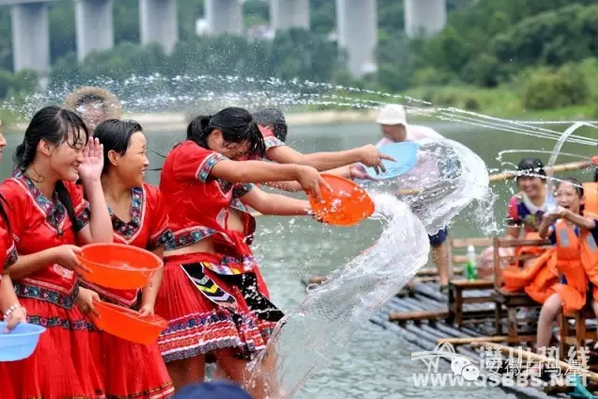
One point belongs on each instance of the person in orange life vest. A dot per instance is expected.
(139, 218)
(94, 105)
(274, 128)
(212, 294)
(48, 216)
(575, 237)
(525, 213)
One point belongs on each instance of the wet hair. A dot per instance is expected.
(116, 135)
(111, 105)
(237, 126)
(530, 167)
(52, 124)
(274, 119)
(577, 186)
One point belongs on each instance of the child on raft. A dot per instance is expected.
(575, 237)
(213, 295)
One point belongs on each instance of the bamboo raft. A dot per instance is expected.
(421, 320)
(419, 317)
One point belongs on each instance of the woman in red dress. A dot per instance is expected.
(48, 216)
(12, 311)
(139, 218)
(213, 294)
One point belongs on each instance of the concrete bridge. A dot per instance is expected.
(357, 25)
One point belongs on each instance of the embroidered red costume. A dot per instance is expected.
(8, 256)
(120, 360)
(62, 365)
(211, 300)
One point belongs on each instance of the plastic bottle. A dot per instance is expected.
(471, 268)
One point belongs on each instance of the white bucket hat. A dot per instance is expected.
(392, 114)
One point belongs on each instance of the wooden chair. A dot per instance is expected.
(577, 334)
(457, 287)
(511, 301)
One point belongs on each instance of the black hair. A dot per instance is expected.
(595, 174)
(3, 214)
(577, 186)
(274, 119)
(237, 126)
(530, 167)
(115, 135)
(52, 124)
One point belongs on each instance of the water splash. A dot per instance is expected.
(321, 327)
(206, 93)
(312, 335)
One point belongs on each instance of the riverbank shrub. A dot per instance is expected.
(550, 89)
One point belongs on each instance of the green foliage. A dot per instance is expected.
(550, 89)
(17, 84)
(293, 54)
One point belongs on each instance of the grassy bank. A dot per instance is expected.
(503, 102)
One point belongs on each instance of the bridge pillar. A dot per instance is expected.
(30, 36)
(285, 14)
(357, 22)
(224, 16)
(424, 17)
(94, 26)
(158, 23)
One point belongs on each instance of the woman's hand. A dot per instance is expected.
(357, 171)
(146, 310)
(311, 181)
(371, 157)
(19, 315)
(66, 256)
(93, 162)
(85, 301)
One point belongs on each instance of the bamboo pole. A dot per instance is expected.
(472, 340)
(566, 167)
(534, 357)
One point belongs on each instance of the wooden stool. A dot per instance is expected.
(511, 301)
(578, 337)
(456, 299)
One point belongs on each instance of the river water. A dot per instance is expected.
(377, 364)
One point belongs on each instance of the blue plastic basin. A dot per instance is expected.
(405, 154)
(20, 342)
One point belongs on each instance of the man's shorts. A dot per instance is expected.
(438, 238)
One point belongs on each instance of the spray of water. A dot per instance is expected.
(314, 334)
(205, 92)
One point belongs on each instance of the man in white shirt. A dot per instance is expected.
(393, 121)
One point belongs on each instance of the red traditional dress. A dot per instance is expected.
(132, 370)
(270, 140)
(212, 301)
(8, 256)
(62, 365)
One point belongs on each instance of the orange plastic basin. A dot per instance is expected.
(119, 266)
(126, 323)
(346, 205)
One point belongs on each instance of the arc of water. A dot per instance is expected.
(557, 149)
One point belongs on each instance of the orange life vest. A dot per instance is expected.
(537, 278)
(575, 256)
(590, 193)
